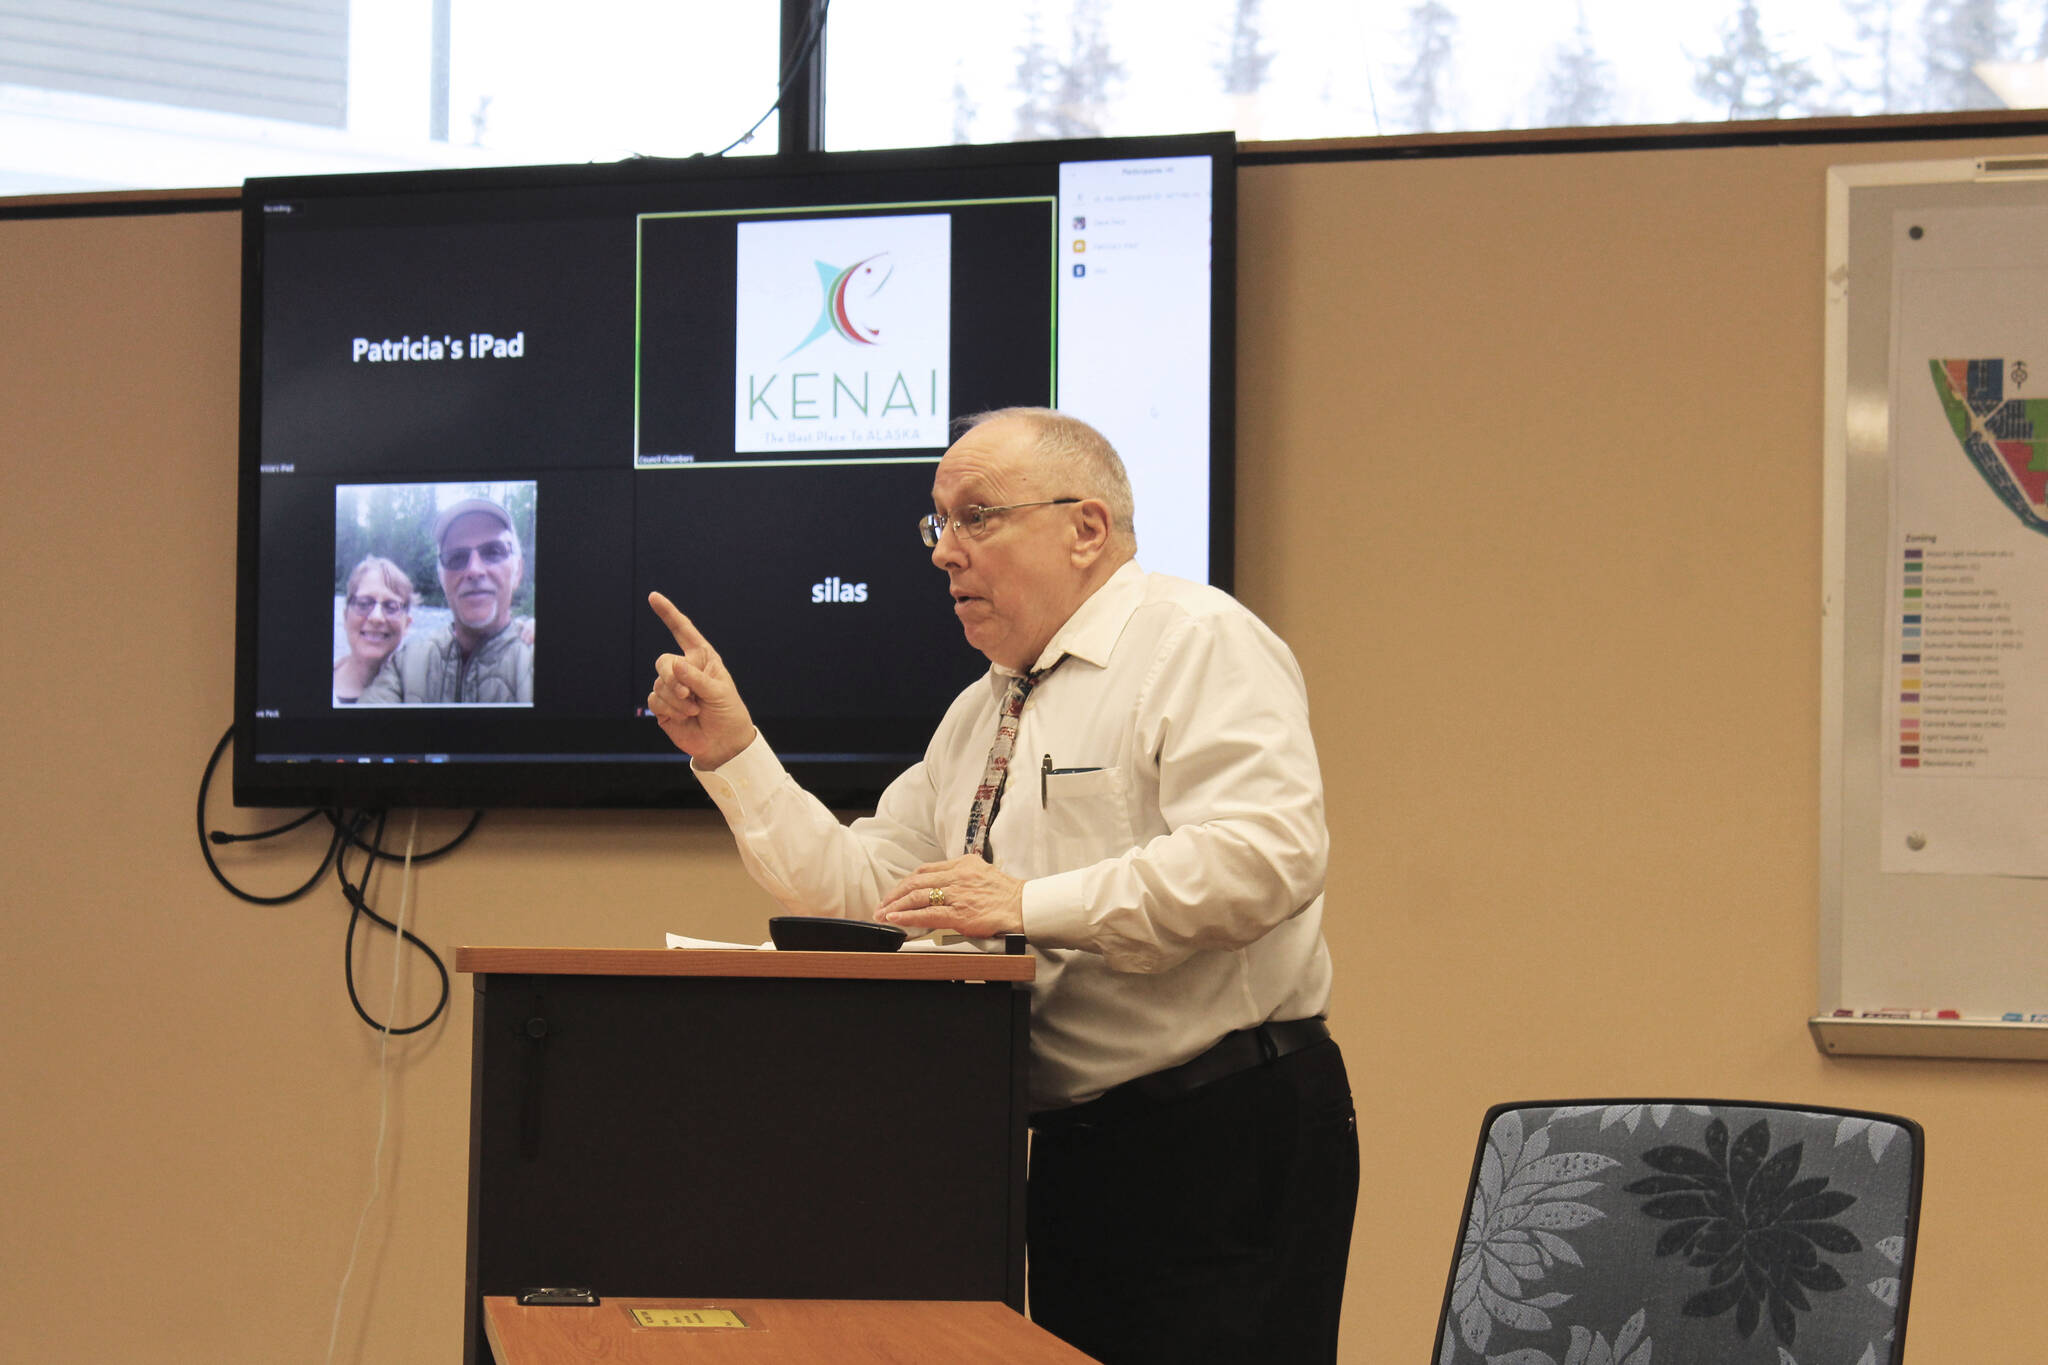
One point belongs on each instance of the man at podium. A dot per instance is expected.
(1133, 787)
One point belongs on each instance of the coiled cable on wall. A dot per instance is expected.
(348, 834)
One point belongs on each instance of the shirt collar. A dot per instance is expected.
(1091, 632)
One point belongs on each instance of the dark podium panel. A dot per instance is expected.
(746, 1124)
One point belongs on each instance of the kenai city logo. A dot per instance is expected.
(870, 367)
(836, 313)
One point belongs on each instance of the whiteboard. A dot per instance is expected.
(1932, 893)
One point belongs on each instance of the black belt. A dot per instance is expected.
(1234, 1052)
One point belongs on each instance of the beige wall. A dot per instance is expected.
(1529, 476)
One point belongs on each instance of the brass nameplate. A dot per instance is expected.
(688, 1317)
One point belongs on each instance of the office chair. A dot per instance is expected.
(1717, 1232)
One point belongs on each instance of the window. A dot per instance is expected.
(204, 92)
(173, 94)
(910, 72)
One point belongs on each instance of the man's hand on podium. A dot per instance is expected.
(964, 894)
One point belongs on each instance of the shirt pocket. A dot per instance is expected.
(1087, 817)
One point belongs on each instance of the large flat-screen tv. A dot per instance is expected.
(729, 381)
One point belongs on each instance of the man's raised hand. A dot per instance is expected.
(694, 699)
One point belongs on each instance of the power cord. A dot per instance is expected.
(359, 908)
(461, 836)
(209, 838)
(383, 1085)
(347, 835)
(814, 32)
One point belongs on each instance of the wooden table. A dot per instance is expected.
(777, 1332)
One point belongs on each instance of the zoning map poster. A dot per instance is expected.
(1965, 713)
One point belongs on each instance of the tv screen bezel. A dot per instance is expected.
(638, 784)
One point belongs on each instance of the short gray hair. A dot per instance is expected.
(1080, 458)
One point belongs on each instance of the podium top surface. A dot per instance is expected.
(912, 966)
(774, 1332)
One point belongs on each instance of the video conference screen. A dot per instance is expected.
(485, 413)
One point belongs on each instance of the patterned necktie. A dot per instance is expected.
(989, 795)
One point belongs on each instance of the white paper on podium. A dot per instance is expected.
(685, 941)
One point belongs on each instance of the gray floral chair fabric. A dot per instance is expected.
(1715, 1233)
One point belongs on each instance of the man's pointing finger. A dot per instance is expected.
(686, 635)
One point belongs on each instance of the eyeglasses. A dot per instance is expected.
(972, 520)
(367, 606)
(493, 552)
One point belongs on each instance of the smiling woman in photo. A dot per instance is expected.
(376, 610)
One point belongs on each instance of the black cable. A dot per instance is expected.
(814, 30)
(806, 45)
(225, 837)
(359, 907)
(347, 834)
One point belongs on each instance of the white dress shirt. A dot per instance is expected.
(1173, 859)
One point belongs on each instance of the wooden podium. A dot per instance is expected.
(764, 1125)
(772, 1332)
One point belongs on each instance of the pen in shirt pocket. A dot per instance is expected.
(1046, 772)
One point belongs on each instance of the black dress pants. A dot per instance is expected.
(1212, 1229)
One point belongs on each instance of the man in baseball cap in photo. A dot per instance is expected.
(481, 655)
